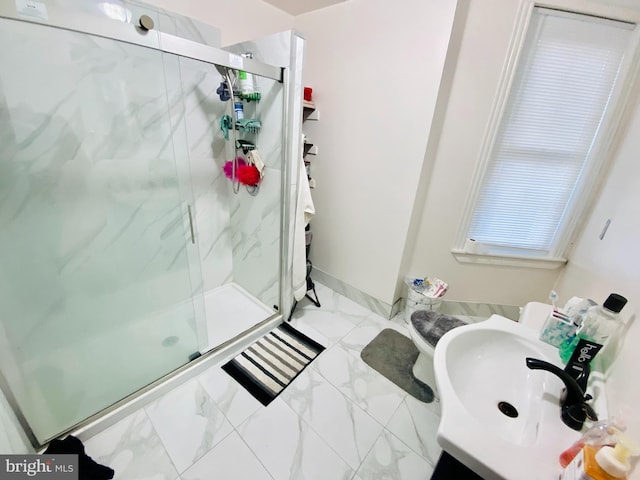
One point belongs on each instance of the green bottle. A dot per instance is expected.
(567, 347)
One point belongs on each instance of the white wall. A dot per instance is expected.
(375, 70)
(238, 20)
(599, 267)
(483, 51)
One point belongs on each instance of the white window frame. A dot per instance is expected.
(467, 252)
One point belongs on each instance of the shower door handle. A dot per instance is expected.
(193, 235)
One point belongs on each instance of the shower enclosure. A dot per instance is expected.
(125, 252)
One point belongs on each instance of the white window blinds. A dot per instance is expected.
(541, 154)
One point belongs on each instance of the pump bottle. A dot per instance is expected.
(603, 463)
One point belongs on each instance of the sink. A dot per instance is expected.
(499, 418)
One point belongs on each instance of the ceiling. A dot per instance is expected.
(298, 7)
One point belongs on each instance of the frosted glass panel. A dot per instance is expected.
(238, 235)
(95, 288)
(255, 219)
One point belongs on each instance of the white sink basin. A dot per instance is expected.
(481, 373)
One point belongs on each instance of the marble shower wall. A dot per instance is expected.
(88, 167)
(256, 220)
(184, 124)
(238, 235)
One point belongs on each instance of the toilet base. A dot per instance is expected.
(423, 370)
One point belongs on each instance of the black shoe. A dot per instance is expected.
(88, 469)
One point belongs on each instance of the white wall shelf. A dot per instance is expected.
(310, 112)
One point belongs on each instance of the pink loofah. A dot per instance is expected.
(228, 167)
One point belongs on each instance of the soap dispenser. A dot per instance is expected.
(603, 463)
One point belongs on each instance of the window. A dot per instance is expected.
(546, 149)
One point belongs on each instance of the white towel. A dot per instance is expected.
(254, 158)
(304, 211)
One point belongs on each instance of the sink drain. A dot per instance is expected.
(508, 409)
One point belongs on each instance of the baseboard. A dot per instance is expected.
(352, 293)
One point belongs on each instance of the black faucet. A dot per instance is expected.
(574, 409)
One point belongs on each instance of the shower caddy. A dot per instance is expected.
(237, 89)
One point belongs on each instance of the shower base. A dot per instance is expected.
(70, 380)
(231, 310)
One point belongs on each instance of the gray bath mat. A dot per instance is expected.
(393, 355)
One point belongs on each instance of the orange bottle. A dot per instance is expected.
(602, 463)
(601, 433)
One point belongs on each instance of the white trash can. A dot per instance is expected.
(418, 301)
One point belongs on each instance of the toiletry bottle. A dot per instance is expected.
(602, 463)
(601, 433)
(245, 79)
(238, 108)
(600, 325)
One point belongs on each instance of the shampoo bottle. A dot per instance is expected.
(245, 79)
(603, 463)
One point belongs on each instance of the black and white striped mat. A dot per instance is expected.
(271, 363)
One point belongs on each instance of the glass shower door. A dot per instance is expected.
(95, 282)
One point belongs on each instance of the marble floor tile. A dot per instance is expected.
(188, 422)
(391, 459)
(338, 420)
(233, 399)
(360, 336)
(416, 424)
(231, 459)
(329, 324)
(400, 319)
(133, 449)
(288, 447)
(370, 390)
(307, 328)
(335, 318)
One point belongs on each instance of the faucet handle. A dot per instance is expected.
(575, 415)
(590, 412)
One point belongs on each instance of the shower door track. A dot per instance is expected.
(154, 39)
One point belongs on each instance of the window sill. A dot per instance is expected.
(509, 261)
